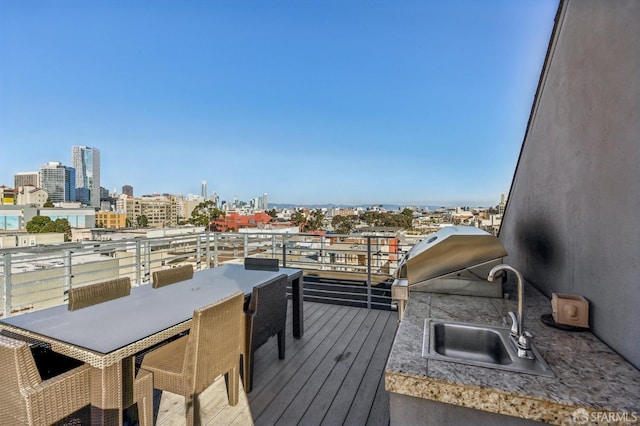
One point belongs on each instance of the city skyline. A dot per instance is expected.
(315, 103)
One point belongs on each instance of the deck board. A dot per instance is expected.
(348, 390)
(309, 355)
(333, 375)
(313, 383)
(299, 378)
(369, 389)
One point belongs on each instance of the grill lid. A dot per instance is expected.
(449, 250)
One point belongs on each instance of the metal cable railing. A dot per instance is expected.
(352, 269)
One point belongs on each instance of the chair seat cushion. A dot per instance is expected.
(169, 357)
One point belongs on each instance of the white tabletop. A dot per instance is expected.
(112, 325)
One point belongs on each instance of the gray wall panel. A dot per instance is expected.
(571, 222)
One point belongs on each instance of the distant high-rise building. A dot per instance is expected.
(86, 161)
(59, 181)
(26, 179)
(265, 202)
(127, 190)
(502, 205)
(204, 190)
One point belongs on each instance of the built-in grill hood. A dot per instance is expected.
(455, 259)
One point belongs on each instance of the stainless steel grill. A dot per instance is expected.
(454, 260)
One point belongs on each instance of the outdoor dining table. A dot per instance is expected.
(108, 335)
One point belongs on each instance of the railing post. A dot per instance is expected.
(6, 287)
(284, 251)
(147, 261)
(321, 253)
(67, 270)
(138, 261)
(273, 246)
(198, 253)
(246, 245)
(215, 250)
(208, 250)
(368, 272)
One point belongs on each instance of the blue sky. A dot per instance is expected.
(348, 102)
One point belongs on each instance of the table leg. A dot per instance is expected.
(106, 395)
(297, 300)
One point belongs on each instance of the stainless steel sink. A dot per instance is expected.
(479, 345)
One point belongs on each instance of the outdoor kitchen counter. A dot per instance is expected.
(589, 375)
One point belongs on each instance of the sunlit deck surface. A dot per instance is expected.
(333, 375)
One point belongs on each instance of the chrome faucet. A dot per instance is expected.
(520, 338)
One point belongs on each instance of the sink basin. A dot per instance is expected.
(479, 345)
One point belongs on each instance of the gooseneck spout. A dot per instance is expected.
(520, 338)
(520, 325)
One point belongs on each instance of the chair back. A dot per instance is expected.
(18, 372)
(214, 341)
(173, 275)
(81, 297)
(261, 264)
(268, 305)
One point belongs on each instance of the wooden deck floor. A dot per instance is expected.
(333, 375)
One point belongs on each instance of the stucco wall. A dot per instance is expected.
(572, 222)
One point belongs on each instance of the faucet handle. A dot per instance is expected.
(525, 340)
(524, 346)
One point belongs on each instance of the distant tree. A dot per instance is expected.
(344, 224)
(273, 213)
(142, 221)
(315, 221)
(205, 213)
(407, 218)
(48, 203)
(127, 223)
(62, 226)
(299, 219)
(394, 220)
(42, 224)
(37, 224)
(370, 217)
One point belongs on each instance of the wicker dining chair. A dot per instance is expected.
(188, 365)
(173, 275)
(265, 316)
(27, 399)
(143, 397)
(81, 297)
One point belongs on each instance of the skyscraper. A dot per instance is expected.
(58, 181)
(204, 190)
(127, 189)
(86, 161)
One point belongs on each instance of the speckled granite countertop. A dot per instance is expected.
(589, 375)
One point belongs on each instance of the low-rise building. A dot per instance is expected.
(161, 211)
(30, 195)
(233, 221)
(111, 220)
